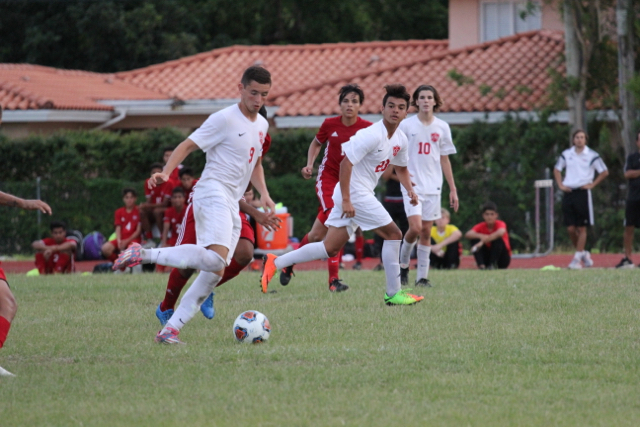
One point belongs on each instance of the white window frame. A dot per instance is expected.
(514, 8)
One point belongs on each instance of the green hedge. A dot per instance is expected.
(83, 174)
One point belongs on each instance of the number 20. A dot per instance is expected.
(382, 166)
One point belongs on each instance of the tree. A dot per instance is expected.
(626, 70)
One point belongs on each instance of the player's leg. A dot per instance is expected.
(394, 295)
(410, 238)
(109, 250)
(359, 244)
(8, 309)
(62, 263)
(499, 255)
(424, 255)
(158, 218)
(41, 263)
(146, 218)
(478, 255)
(631, 221)
(451, 259)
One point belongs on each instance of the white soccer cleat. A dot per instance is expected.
(575, 264)
(5, 373)
(586, 259)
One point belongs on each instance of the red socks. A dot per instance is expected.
(174, 287)
(232, 270)
(4, 330)
(359, 248)
(304, 241)
(333, 265)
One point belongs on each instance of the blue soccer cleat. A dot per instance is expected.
(207, 307)
(163, 316)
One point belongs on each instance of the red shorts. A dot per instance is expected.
(324, 191)
(188, 230)
(323, 215)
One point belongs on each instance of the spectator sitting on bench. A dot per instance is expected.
(445, 243)
(157, 201)
(491, 247)
(55, 254)
(128, 227)
(187, 181)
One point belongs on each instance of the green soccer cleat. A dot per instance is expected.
(402, 298)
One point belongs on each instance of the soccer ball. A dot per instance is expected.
(251, 326)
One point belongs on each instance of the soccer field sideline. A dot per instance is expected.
(466, 262)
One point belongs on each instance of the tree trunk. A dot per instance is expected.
(626, 69)
(575, 77)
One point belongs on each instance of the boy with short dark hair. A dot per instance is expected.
(128, 226)
(173, 218)
(157, 199)
(55, 254)
(490, 239)
(187, 181)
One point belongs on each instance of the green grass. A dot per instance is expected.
(499, 348)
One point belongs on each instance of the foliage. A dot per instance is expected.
(121, 35)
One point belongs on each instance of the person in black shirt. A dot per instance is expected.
(632, 211)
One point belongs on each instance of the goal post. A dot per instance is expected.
(546, 186)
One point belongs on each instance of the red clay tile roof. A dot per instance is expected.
(29, 87)
(509, 74)
(215, 74)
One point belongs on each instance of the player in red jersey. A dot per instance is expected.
(128, 226)
(172, 222)
(155, 204)
(242, 255)
(8, 305)
(188, 182)
(55, 254)
(334, 131)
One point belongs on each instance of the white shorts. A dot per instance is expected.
(370, 214)
(428, 206)
(217, 223)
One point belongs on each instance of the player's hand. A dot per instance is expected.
(348, 211)
(436, 248)
(47, 253)
(453, 200)
(158, 178)
(564, 188)
(587, 186)
(268, 220)
(307, 172)
(35, 205)
(122, 245)
(268, 204)
(477, 246)
(414, 198)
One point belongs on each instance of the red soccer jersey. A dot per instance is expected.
(483, 229)
(128, 222)
(187, 193)
(335, 133)
(158, 194)
(174, 218)
(49, 241)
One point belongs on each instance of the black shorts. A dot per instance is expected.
(577, 208)
(632, 213)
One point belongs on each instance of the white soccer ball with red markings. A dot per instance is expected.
(251, 326)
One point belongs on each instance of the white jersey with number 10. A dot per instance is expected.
(426, 145)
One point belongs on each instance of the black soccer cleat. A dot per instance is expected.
(357, 265)
(423, 283)
(404, 276)
(336, 285)
(285, 275)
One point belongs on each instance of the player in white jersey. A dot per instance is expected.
(430, 145)
(232, 140)
(581, 164)
(367, 154)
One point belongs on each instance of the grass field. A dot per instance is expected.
(496, 348)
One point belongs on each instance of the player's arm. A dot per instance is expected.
(17, 202)
(268, 220)
(632, 173)
(118, 235)
(312, 154)
(346, 167)
(472, 235)
(260, 184)
(39, 246)
(181, 152)
(405, 179)
(601, 176)
(448, 174)
(389, 175)
(558, 176)
(454, 237)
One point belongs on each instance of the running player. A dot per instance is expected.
(334, 131)
(367, 154)
(8, 306)
(430, 144)
(232, 140)
(581, 163)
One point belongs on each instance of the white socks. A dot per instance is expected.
(390, 252)
(184, 256)
(405, 253)
(309, 252)
(204, 284)
(423, 262)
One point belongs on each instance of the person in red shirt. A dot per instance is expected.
(172, 222)
(490, 239)
(128, 226)
(334, 132)
(157, 200)
(187, 181)
(55, 254)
